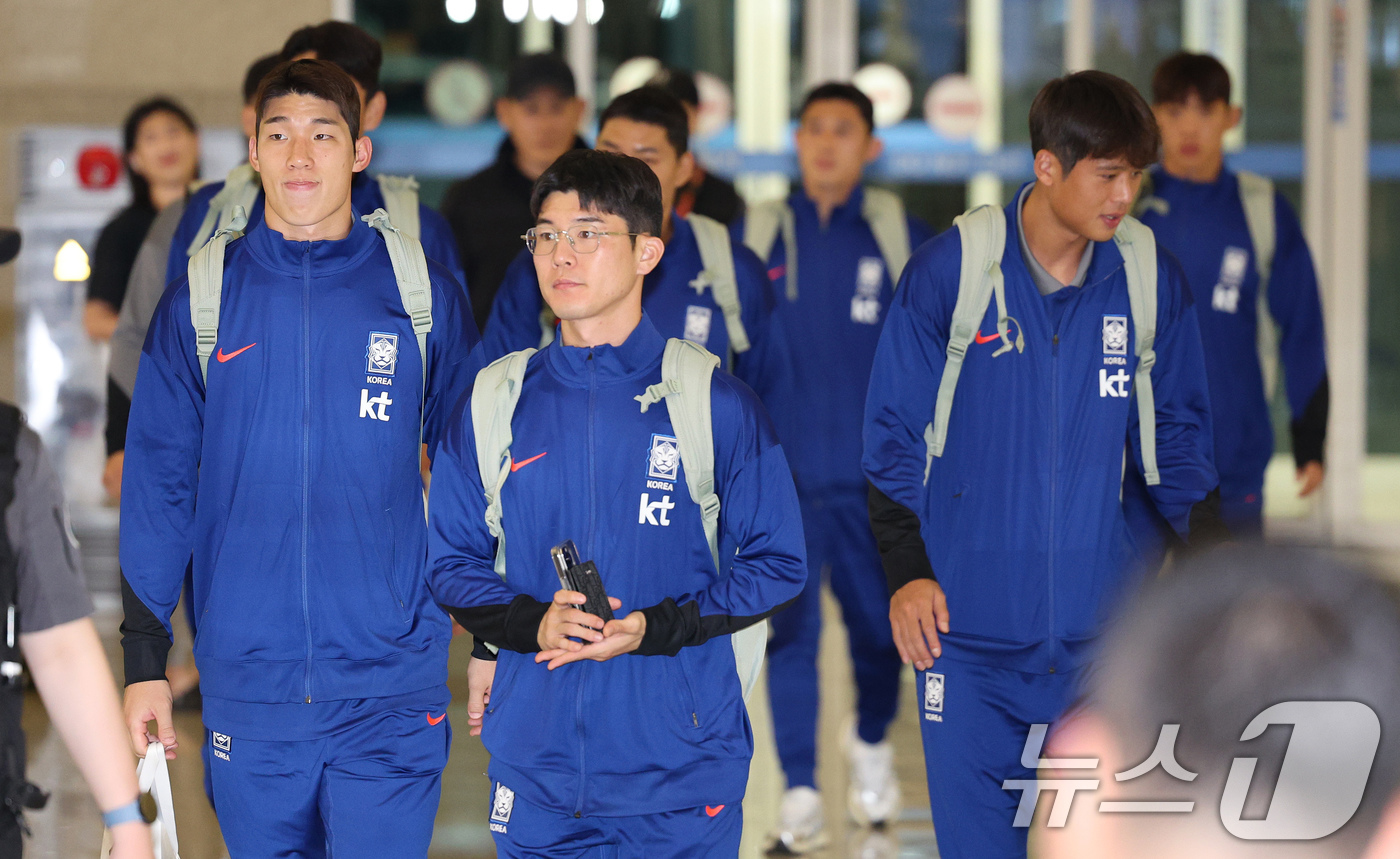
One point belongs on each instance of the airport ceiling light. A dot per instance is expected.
(71, 262)
(565, 11)
(515, 10)
(593, 11)
(461, 11)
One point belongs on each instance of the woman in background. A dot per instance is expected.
(160, 144)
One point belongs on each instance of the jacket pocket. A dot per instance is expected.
(501, 684)
(684, 690)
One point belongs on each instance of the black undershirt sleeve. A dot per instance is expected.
(1310, 429)
(145, 643)
(512, 626)
(902, 550)
(118, 415)
(671, 627)
(1205, 528)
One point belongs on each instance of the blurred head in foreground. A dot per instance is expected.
(1288, 659)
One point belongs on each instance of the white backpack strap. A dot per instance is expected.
(411, 273)
(983, 234)
(717, 259)
(762, 224)
(1147, 200)
(401, 201)
(1138, 246)
(884, 213)
(206, 272)
(241, 189)
(1257, 197)
(686, 371)
(494, 396)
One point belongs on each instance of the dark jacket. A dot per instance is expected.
(488, 213)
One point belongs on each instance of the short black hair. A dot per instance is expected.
(1093, 114)
(1231, 633)
(654, 106)
(256, 72)
(350, 47)
(679, 83)
(838, 91)
(140, 187)
(1184, 73)
(533, 72)
(317, 78)
(609, 182)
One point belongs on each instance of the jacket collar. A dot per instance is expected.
(326, 257)
(639, 354)
(1107, 261)
(848, 212)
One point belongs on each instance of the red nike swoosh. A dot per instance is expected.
(432, 721)
(222, 357)
(712, 810)
(989, 338)
(516, 466)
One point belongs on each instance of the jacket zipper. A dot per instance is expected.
(306, 453)
(1054, 472)
(592, 510)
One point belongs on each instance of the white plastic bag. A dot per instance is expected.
(153, 777)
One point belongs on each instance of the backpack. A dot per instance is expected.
(686, 369)
(206, 273)
(1257, 199)
(242, 186)
(717, 273)
(882, 210)
(983, 234)
(16, 792)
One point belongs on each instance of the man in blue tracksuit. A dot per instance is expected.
(651, 124)
(289, 480)
(630, 738)
(829, 323)
(357, 53)
(1004, 561)
(1197, 212)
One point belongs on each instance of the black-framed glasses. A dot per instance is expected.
(583, 241)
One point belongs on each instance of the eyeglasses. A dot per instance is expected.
(543, 242)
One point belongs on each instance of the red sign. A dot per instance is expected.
(99, 167)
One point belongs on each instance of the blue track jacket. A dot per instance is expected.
(663, 728)
(1021, 516)
(293, 482)
(437, 240)
(677, 309)
(1206, 229)
(829, 333)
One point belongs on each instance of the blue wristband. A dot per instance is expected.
(124, 814)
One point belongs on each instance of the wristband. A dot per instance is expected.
(123, 814)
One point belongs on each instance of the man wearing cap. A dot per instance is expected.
(490, 210)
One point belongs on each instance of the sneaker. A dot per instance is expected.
(801, 825)
(874, 796)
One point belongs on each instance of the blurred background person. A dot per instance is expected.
(705, 194)
(160, 146)
(490, 210)
(1210, 648)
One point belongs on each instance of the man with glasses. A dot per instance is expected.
(594, 747)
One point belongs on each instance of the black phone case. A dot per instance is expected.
(584, 578)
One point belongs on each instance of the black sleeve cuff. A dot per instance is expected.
(481, 651)
(902, 551)
(513, 626)
(1206, 528)
(671, 627)
(1309, 431)
(118, 416)
(145, 643)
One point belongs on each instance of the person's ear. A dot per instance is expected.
(649, 252)
(505, 113)
(253, 151)
(874, 148)
(1236, 114)
(685, 169)
(575, 110)
(373, 114)
(363, 150)
(1048, 170)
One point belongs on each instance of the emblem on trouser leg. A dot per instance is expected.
(502, 804)
(933, 696)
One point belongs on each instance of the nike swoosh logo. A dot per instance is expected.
(516, 466)
(712, 810)
(989, 338)
(230, 356)
(432, 721)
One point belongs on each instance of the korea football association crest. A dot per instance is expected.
(382, 353)
(664, 461)
(1115, 335)
(502, 804)
(697, 324)
(933, 696)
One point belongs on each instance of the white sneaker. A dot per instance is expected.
(874, 796)
(801, 825)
